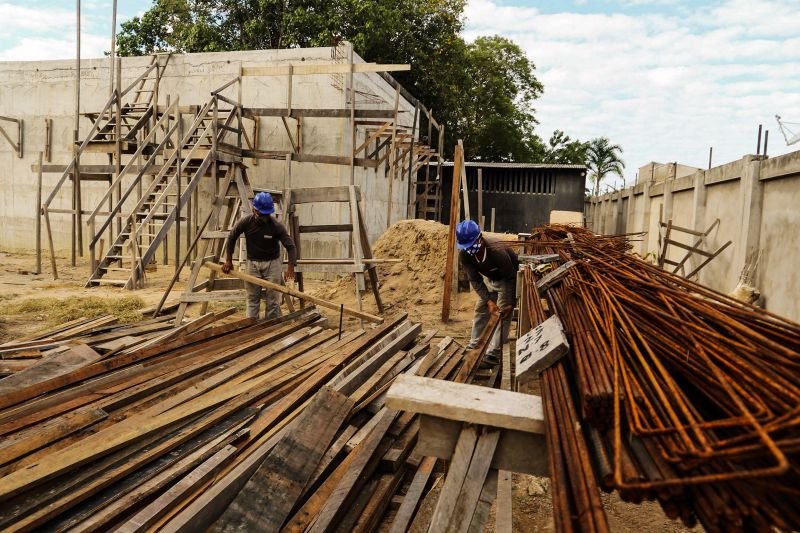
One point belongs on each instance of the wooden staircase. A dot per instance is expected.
(183, 164)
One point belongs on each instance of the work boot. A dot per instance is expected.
(489, 361)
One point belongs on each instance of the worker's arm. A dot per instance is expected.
(230, 244)
(291, 251)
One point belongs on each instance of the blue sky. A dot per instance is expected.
(665, 79)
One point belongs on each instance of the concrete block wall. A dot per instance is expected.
(37, 90)
(756, 200)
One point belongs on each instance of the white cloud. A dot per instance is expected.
(36, 19)
(43, 48)
(664, 87)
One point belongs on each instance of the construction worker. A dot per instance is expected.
(262, 234)
(491, 269)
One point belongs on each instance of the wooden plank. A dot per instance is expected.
(14, 446)
(298, 113)
(413, 497)
(554, 277)
(108, 511)
(231, 396)
(456, 474)
(470, 492)
(291, 292)
(312, 195)
(309, 511)
(484, 505)
(323, 228)
(43, 376)
(267, 499)
(361, 374)
(503, 514)
(540, 348)
(467, 403)
(517, 451)
(198, 477)
(351, 481)
(323, 68)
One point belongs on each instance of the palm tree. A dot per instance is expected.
(602, 158)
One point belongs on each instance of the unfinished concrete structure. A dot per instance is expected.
(294, 118)
(755, 199)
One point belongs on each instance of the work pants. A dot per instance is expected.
(269, 271)
(502, 293)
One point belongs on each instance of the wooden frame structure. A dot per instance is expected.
(358, 264)
(17, 146)
(158, 153)
(665, 241)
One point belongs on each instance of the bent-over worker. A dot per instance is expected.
(263, 236)
(491, 268)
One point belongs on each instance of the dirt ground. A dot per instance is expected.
(32, 302)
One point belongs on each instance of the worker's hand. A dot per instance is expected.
(506, 311)
(227, 266)
(289, 274)
(493, 309)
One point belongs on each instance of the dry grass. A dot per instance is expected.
(54, 311)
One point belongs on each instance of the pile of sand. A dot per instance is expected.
(415, 284)
(418, 279)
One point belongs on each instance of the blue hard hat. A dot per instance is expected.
(467, 232)
(263, 203)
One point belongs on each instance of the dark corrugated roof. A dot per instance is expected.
(482, 164)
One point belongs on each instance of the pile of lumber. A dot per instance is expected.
(218, 424)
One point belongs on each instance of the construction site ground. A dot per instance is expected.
(33, 302)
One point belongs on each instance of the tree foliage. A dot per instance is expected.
(483, 92)
(602, 159)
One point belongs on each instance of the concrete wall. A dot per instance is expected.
(34, 91)
(756, 200)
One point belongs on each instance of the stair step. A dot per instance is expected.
(107, 281)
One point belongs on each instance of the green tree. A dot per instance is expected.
(561, 150)
(496, 101)
(602, 159)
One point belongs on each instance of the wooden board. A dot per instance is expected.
(467, 403)
(44, 376)
(517, 451)
(554, 277)
(267, 499)
(540, 348)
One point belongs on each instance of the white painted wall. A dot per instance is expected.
(756, 201)
(34, 91)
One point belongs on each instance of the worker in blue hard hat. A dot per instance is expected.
(263, 235)
(491, 268)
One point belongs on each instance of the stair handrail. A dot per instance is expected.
(128, 166)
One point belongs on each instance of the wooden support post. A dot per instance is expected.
(392, 159)
(412, 179)
(76, 189)
(458, 160)
(465, 191)
(39, 217)
(480, 197)
(178, 158)
(111, 55)
(48, 139)
(50, 242)
(492, 223)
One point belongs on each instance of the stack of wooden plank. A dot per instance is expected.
(221, 425)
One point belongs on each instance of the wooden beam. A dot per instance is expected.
(322, 68)
(467, 403)
(458, 161)
(291, 292)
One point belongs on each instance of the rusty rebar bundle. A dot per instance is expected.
(685, 394)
